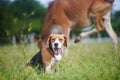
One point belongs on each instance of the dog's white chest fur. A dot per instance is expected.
(52, 64)
(58, 57)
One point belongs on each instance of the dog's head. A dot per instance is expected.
(55, 43)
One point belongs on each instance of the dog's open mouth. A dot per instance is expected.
(57, 51)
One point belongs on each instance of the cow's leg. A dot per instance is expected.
(99, 27)
(103, 22)
(66, 32)
(83, 34)
(109, 29)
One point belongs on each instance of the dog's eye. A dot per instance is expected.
(61, 39)
(53, 39)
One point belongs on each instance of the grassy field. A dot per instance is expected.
(91, 61)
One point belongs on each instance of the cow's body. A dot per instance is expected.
(63, 15)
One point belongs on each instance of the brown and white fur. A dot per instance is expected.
(64, 15)
(56, 44)
(53, 54)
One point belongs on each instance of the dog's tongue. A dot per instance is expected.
(57, 51)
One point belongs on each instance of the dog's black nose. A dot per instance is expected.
(56, 44)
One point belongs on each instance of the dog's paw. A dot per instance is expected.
(28, 68)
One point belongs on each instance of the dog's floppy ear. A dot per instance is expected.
(65, 43)
(48, 41)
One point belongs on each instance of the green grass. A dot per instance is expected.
(91, 61)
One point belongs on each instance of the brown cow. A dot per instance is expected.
(64, 15)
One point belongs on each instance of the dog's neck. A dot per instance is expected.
(51, 51)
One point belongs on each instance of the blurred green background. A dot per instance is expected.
(23, 17)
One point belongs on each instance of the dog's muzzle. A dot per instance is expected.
(57, 50)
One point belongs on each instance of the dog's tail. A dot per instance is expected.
(110, 1)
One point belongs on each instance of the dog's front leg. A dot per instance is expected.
(48, 69)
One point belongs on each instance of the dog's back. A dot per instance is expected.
(36, 61)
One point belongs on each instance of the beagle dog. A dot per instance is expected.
(52, 55)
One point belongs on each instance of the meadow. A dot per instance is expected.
(90, 61)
